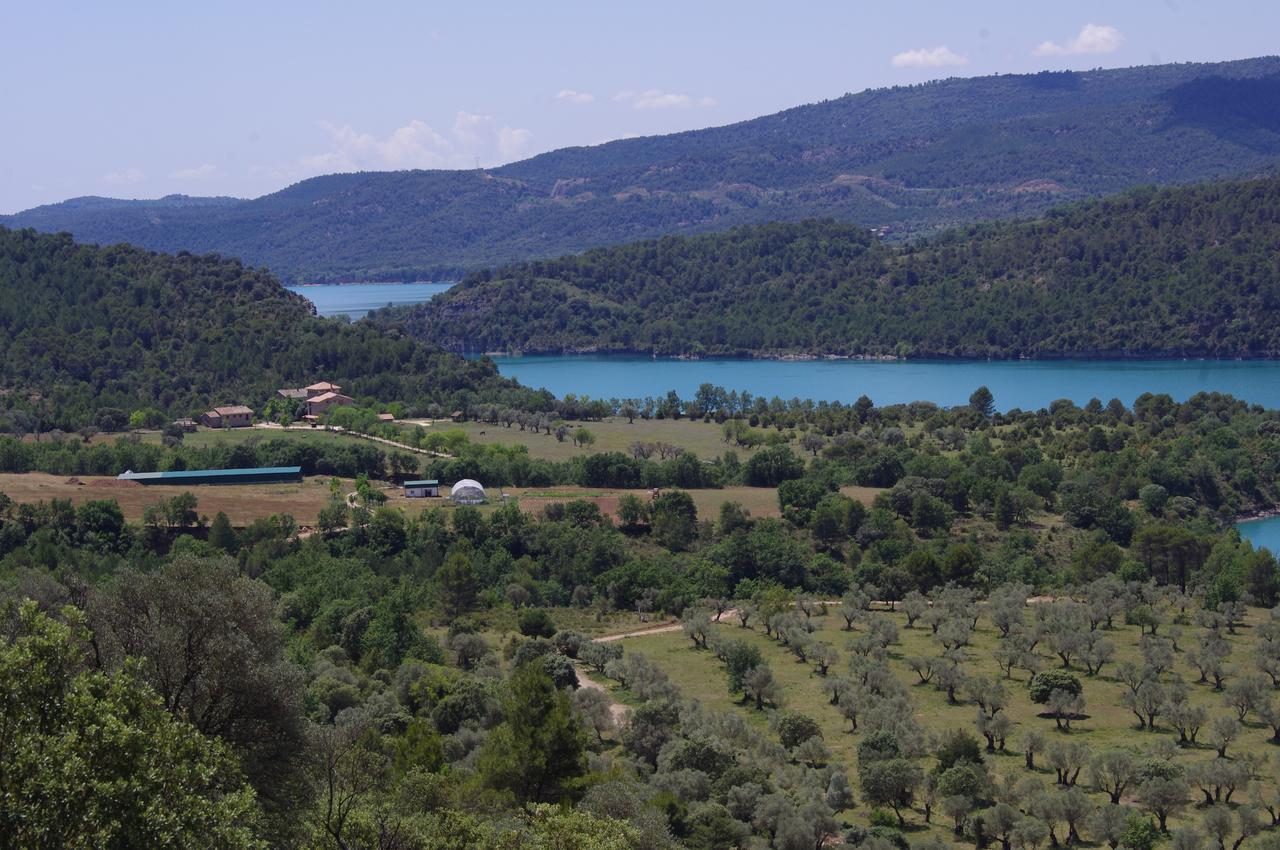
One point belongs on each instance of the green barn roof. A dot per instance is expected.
(214, 476)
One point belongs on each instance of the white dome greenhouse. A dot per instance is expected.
(467, 492)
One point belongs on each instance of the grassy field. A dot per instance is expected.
(1106, 722)
(242, 503)
(612, 435)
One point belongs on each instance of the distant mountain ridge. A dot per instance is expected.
(1191, 271)
(911, 159)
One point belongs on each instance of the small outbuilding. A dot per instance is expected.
(467, 492)
(233, 416)
(186, 423)
(292, 394)
(422, 489)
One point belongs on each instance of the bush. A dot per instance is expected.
(1153, 498)
(560, 669)
(536, 622)
(1054, 680)
(570, 643)
(795, 728)
(771, 466)
(958, 746)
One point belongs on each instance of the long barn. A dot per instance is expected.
(262, 475)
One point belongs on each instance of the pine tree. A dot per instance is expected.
(222, 535)
(540, 749)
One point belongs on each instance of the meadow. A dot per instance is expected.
(613, 434)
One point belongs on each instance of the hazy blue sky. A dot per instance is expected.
(140, 99)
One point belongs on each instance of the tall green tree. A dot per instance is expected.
(92, 760)
(983, 401)
(540, 750)
(457, 580)
(207, 640)
(675, 519)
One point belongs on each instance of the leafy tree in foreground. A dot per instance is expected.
(91, 759)
(540, 750)
(210, 645)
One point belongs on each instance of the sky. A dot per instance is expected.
(143, 99)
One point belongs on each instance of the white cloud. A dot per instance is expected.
(658, 99)
(1093, 38)
(575, 96)
(513, 141)
(417, 145)
(928, 57)
(625, 134)
(124, 177)
(199, 172)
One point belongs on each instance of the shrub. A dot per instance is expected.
(795, 728)
(1047, 682)
(536, 622)
(958, 746)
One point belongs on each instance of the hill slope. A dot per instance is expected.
(913, 159)
(83, 327)
(1191, 271)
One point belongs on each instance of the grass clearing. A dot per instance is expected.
(242, 503)
(612, 435)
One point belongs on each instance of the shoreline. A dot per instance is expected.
(372, 283)
(792, 357)
(1255, 516)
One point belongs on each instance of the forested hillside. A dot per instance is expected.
(913, 158)
(83, 328)
(1176, 272)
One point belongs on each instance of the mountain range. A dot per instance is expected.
(907, 160)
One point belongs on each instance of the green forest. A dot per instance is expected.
(912, 158)
(1184, 272)
(83, 329)
(1093, 646)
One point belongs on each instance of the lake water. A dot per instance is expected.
(357, 299)
(1028, 385)
(1262, 533)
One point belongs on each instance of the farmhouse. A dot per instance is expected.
(318, 404)
(235, 416)
(421, 489)
(320, 388)
(261, 475)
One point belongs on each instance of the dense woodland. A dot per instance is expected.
(402, 682)
(84, 328)
(912, 158)
(1189, 271)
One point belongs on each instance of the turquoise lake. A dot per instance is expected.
(357, 299)
(1262, 533)
(1028, 385)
